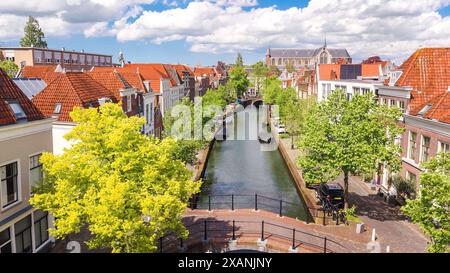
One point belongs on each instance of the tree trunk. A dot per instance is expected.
(346, 189)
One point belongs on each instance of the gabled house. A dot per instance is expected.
(58, 99)
(25, 133)
(420, 87)
(187, 78)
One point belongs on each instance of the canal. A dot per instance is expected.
(237, 170)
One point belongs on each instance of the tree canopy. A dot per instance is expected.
(239, 60)
(123, 186)
(348, 136)
(431, 210)
(9, 67)
(238, 79)
(33, 35)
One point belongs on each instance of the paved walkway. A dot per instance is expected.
(277, 230)
(390, 224)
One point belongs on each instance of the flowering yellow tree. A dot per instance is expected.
(125, 187)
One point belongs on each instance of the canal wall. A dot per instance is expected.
(203, 161)
(308, 195)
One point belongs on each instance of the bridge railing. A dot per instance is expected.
(208, 230)
(281, 207)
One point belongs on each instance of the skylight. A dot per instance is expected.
(17, 109)
(425, 109)
(57, 108)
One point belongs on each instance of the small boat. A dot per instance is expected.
(264, 138)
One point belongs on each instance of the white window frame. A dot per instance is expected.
(19, 185)
(422, 142)
(409, 145)
(440, 143)
(9, 241)
(129, 106)
(29, 169)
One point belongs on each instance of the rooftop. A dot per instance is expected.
(69, 90)
(14, 105)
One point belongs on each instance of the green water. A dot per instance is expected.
(240, 168)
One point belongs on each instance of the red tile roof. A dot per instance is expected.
(10, 91)
(180, 68)
(201, 71)
(427, 71)
(44, 72)
(71, 89)
(110, 80)
(131, 75)
(330, 72)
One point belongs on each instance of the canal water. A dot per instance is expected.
(237, 170)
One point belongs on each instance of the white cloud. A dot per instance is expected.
(391, 28)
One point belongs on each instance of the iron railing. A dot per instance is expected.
(204, 230)
(325, 215)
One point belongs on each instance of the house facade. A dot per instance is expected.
(420, 87)
(58, 99)
(298, 57)
(25, 134)
(68, 60)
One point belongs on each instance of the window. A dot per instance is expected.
(385, 101)
(40, 227)
(36, 173)
(323, 58)
(23, 235)
(17, 109)
(425, 149)
(57, 108)
(443, 147)
(365, 91)
(401, 105)
(356, 91)
(411, 177)
(5, 241)
(38, 56)
(147, 114)
(391, 103)
(279, 61)
(9, 186)
(129, 108)
(412, 145)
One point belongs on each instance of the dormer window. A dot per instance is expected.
(17, 109)
(57, 108)
(425, 109)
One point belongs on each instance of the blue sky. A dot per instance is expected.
(202, 33)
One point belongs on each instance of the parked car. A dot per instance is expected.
(331, 194)
(281, 129)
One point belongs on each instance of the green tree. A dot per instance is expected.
(123, 186)
(349, 136)
(271, 89)
(33, 35)
(9, 67)
(260, 72)
(238, 80)
(431, 209)
(295, 116)
(239, 60)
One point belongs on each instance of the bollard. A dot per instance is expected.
(234, 228)
(325, 245)
(256, 202)
(262, 231)
(209, 202)
(293, 239)
(373, 235)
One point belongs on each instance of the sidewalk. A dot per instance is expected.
(390, 224)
